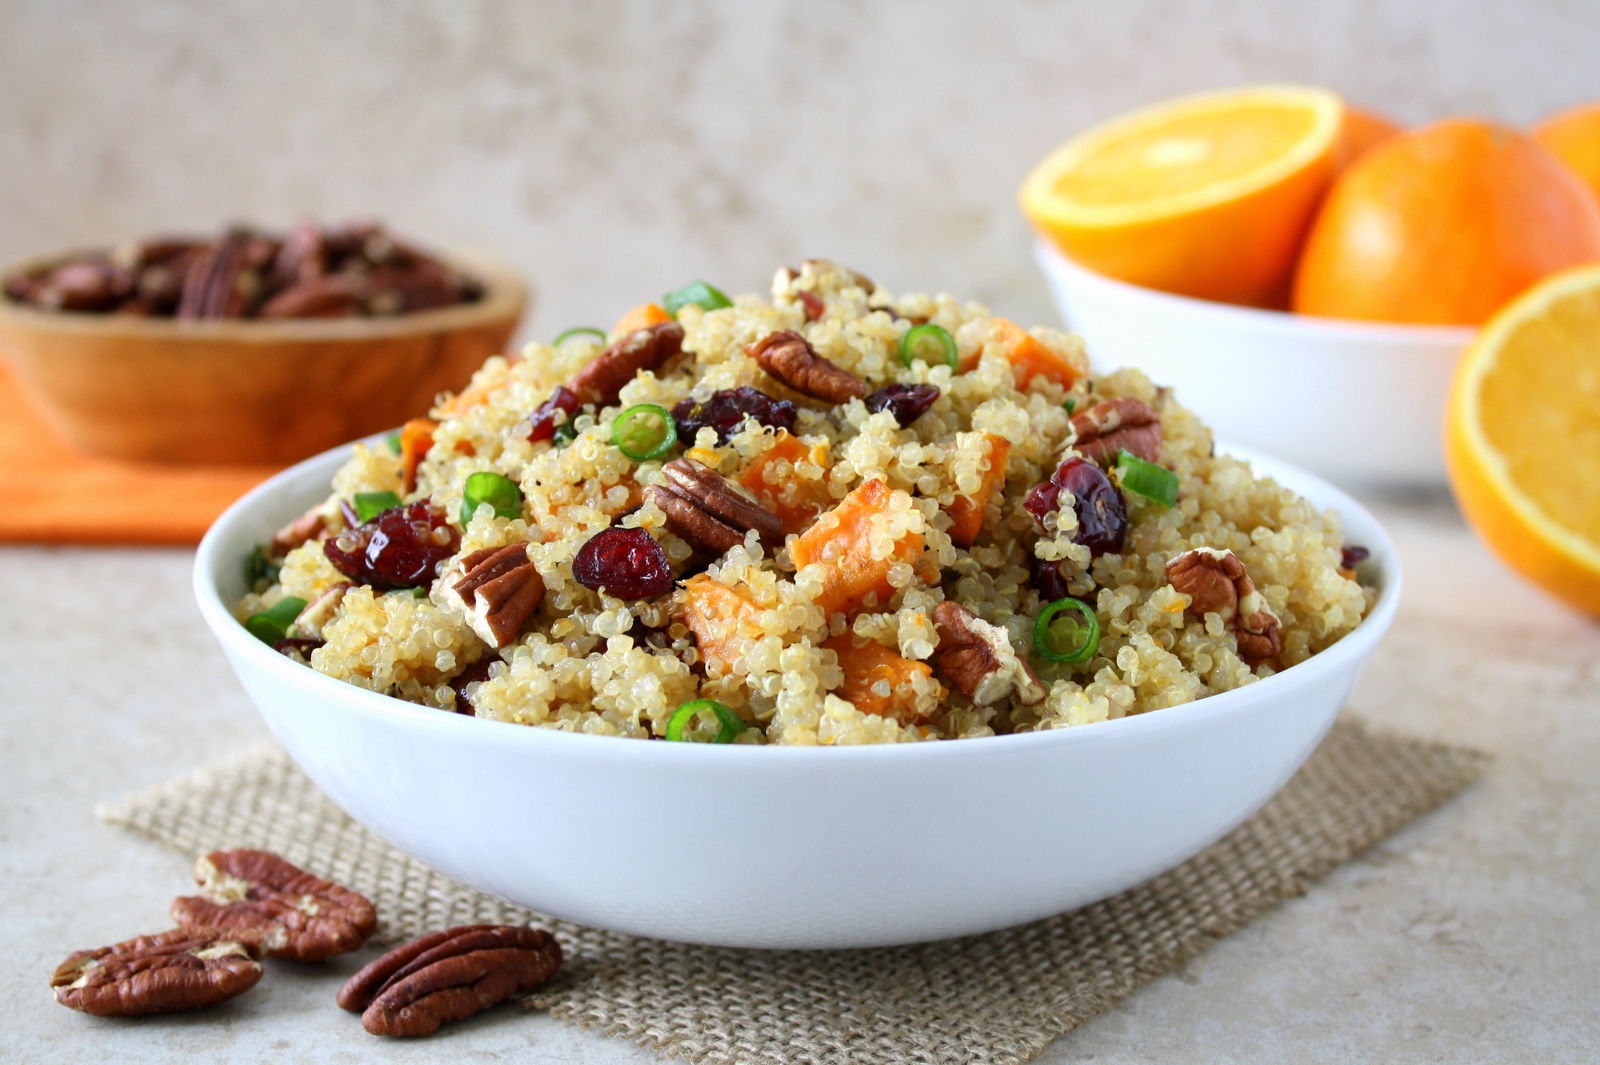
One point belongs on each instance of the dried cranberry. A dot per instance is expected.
(1102, 512)
(627, 563)
(478, 671)
(543, 421)
(906, 402)
(1048, 580)
(726, 411)
(297, 648)
(813, 304)
(1351, 556)
(400, 548)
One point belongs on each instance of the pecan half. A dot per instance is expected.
(500, 588)
(705, 510)
(262, 899)
(650, 348)
(226, 276)
(184, 969)
(790, 358)
(447, 976)
(1113, 424)
(1216, 583)
(978, 659)
(312, 525)
(335, 296)
(319, 611)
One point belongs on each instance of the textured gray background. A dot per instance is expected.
(613, 150)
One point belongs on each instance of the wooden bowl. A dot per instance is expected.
(248, 391)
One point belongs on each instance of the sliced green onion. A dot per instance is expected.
(370, 504)
(566, 433)
(697, 292)
(712, 712)
(1156, 483)
(578, 330)
(498, 491)
(409, 593)
(272, 624)
(1069, 405)
(921, 339)
(1067, 631)
(393, 440)
(644, 432)
(260, 567)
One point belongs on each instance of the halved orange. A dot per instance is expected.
(1205, 196)
(1522, 435)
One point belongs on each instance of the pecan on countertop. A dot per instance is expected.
(1113, 424)
(1216, 583)
(447, 976)
(265, 901)
(707, 512)
(650, 348)
(500, 588)
(184, 969)
(978, 659)
(790, 358)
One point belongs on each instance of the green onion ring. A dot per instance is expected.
(578, 330)
(566, 433)
(936, 333)
(1069, 405)
(1155, 483)
(639, 439)
(370, 504)
(393, 440)
(495, 489)
(699, 293)
(1046, 640)
(729, 724)
(272, 624)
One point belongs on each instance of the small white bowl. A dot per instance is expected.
(784, 846)
(1361, 403)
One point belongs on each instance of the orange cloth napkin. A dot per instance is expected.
(50, 493)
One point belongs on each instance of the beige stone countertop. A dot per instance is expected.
(1472, 935)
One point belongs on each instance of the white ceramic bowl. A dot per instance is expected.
(782, 846)
(1361, 403)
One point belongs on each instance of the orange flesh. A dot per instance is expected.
(870, 663)
(966, 513)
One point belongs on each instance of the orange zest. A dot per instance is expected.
(1206, 196)
(1522, 436)
(966, 513)
(870, 666)
(1444, 225)
(641, 317)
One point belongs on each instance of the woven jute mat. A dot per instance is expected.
(998, 998)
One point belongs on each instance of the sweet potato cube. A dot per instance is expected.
(795, 500)
(844, 545)
(416, 438)
(641, 317)
(872, 667)
(713, 612)
(1030, 358)
(966, 513)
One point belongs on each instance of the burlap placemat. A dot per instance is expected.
(996, 998)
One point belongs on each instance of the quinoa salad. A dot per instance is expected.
(826, 516)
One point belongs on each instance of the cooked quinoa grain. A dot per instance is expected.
(829, 638)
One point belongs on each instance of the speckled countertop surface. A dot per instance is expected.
(1472, 935)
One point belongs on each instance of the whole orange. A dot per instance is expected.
(1444, 225)
(1574, 137)
(1361, 131)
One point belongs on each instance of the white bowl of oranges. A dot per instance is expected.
(1305, 272)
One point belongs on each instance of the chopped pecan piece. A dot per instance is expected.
(708, 512)
(320, 610)
(262, 899)
(312, 525)
(500, 588)
(790, 358)
(978, 659)
(1216, 583)
(447, 976)
(1114, 424)
(184, 969)
(650, 348)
